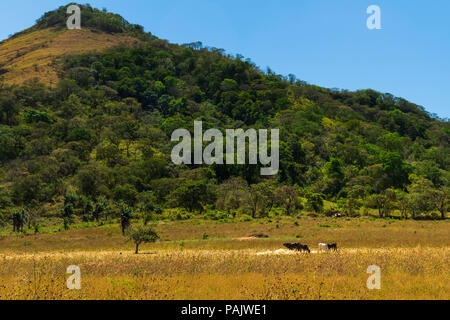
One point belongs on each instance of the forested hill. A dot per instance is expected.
(98, 140)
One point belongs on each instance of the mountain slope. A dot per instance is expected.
(37, 54)
(100, 137)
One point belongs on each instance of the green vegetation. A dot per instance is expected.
(101, 20)
(142, 234)
(97, 146)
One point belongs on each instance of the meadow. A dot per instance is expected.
(225, 264)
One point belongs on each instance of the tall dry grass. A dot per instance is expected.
(413, 256)
(408, 273)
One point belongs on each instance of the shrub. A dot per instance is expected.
(245, 218)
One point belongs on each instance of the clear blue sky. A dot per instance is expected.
(324, 42)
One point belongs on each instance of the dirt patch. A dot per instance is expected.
(246, 238)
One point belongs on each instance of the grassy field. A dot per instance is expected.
(413, 256)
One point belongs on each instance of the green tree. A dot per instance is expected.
(20, 218)
(421, 196)
(287, 197)
(384, 202)
(126, 193)
(126, 215)
(403, 202)
(9, 108)
(192, 195)
(441, 200)
(314, 201)
(67, 213)
(257, 198)
(142, 234)
(88, 210)
(232, 194)
(100, 207)
(147, 204)
(396, 169)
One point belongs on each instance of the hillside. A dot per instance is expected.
(91, 138)
(36, 55)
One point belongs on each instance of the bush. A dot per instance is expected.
(245, 218)
(217, 215)
(176, 214)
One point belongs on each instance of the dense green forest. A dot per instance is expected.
(98, 144)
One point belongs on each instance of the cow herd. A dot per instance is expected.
(304, 248)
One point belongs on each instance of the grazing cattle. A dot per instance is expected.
(332, 246)
(297, 246)
(323, 247)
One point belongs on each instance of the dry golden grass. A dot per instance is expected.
(412, 273)
(36, 54)
(414, 263)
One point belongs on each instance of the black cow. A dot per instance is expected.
(332, 246)
(297, 246)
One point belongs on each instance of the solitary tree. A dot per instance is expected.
(142, 234)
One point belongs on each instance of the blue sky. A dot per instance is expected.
(324, 42)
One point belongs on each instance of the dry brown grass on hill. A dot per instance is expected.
(36, 54)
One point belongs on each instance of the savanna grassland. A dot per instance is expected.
(413, 256)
